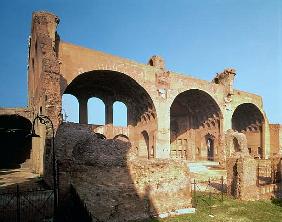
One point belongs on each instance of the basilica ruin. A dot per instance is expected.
(171, 119)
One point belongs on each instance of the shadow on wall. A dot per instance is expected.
(113, 182)
(100, 173)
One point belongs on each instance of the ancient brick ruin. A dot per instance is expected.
(171, 118)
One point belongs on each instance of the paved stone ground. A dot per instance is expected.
(202, 171)
(22, 176)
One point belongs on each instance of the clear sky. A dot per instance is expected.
(195, 37)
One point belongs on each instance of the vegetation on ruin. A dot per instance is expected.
(232, 210)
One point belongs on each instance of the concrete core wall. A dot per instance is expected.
(114, 182)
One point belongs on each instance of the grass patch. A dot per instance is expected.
(232, 210)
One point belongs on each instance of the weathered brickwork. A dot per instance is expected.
(249, 178)
(169, 115)
(171, 118)
(115, 183)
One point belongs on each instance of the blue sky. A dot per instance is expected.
(195, 37)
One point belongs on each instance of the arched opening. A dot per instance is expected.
(194, 114)
(210, 149)
(100, 136)
(125, 89)
(144, 145)
(135, 104)
(236, 145)
(70, 108)
(15, 143)
(119, 114)
(121, 137)
(248, 119)
(96, 111)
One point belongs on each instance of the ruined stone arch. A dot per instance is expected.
(194, 114)
(250, 109)
(132, 72)
(204, 91)
(114, 86)
(111, 86)
(248, 118)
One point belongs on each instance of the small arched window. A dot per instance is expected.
(70, 108)
(96, 111)
(120, 114)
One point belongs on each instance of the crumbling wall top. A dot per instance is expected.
(45, 23)
(157, 62)
(226, 79)
(236, 143)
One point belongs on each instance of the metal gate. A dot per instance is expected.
(27, 205)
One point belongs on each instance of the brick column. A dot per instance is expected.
(163, 132)
(109, 118)
(262, 144)
(83, 114)
(242, 178)
(108, 112)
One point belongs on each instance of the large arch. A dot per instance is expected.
(15, 142)
(195, 123)
(248, 119)
(111, 86)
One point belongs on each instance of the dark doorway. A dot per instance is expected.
(15, 144)
(210, 148)
(260, 152)
(236, 145)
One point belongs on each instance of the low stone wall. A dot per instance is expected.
(242, 178)
(113, 182)
(251, 179)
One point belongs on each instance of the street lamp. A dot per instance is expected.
(46, 120)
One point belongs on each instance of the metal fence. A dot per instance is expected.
(267, 173)
(264, 175)
(207, 193)
(26, 205)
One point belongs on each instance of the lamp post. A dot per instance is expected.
(46, 120)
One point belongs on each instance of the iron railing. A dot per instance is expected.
(208, 192)
(26, 205)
